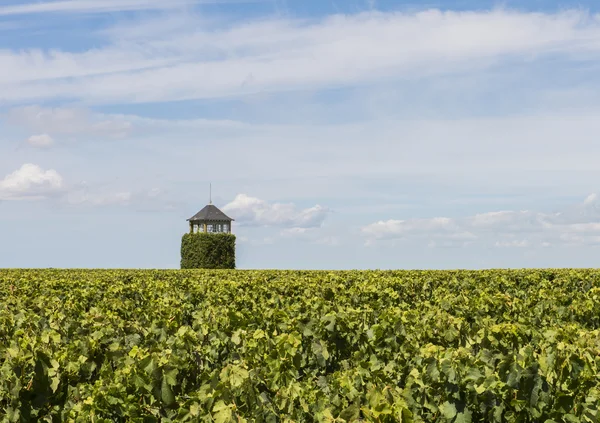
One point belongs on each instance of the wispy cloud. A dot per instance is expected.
(577, 225)
(82, 195)
(511, 152)
(253, 211)
(204, 61)
(547, 153)
(311, 235)
(102, 6)
(11, 26)
(40, 141)
(63, 120)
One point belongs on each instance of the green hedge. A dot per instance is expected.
(208, 251)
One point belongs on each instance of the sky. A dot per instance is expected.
(355, 134)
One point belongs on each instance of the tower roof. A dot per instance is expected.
(212, 213)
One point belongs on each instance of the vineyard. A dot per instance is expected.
(282, 346)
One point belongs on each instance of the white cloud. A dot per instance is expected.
(294, 232)
(42, 141)
(332, 241)
(591, 199)
(96, 199)
(30, 182)
(523, 221)
(69, 121)
(269, 240)
(546, 154)
(201, 61)
(401, 228)
(500, 229)
(443, 243)
(99, 6)
(141, 200)
(312, 236)
(513, 244)
(252, 211)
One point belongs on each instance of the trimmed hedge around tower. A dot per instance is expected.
(208, 251)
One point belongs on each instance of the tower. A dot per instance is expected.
(209, 243)
(210, 220)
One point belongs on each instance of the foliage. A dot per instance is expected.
(268, 346)
(208, 251)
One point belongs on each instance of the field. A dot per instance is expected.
(276, 346)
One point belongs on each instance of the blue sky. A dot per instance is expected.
(338, 134)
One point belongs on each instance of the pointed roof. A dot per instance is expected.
(210, 212)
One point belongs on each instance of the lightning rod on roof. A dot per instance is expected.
(210, 193)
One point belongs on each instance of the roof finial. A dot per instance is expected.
(210, 193)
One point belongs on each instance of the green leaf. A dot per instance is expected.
(235, 375)
(473, 374)
(139, 382)
(148, 365)
(235, 337)
(13, 351)
(166, 393)
(55, 382)
(433, 372)
(195, 409)
(170, 376)
(448, 410)
(13, 415)
(350, 413)
(464, 417)
(223, 412)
